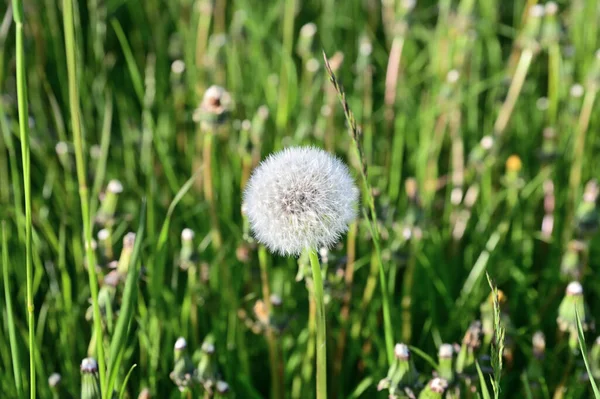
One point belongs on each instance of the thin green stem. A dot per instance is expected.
(208, 188)
(78, 141)
(12, 333)
(513, 91)
(321, 326)
(25, 158)
(276, 366)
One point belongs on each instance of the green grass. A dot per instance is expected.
(440, 208)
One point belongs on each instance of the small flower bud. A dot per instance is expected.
(539, 345)
(54, 381)
(587, 218)
(306, 40)
(183, 370)
(573, 305)
(126, 252)
(445, 354)
(435, 389)
(222, 387)
(108, 204)
(105, 244)
(187, 249)
(90, 381)
(215, 107)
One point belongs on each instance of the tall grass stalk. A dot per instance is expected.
(23, 105)
(355, 133)
(79, 142)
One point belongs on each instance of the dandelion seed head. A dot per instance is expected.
(54, 380)
(222, 387)
(115, 187)
(574, 288)
(438, 385)
(401, 351)
(551, 8)
(89, 365)
(180, 344)
(299, 198)
(576, 90)
(61, 148)
(536, 11)
(103, 235)
(187, 234)
(309, 29)
(445, 351)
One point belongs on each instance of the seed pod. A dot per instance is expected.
(183, 370)
(435, 389)
(90, 381)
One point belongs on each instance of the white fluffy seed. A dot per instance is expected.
(300, 198)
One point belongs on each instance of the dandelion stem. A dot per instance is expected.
(321, 326)
(78, 141)
(23, 107)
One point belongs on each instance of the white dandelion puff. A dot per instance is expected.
(300, 198)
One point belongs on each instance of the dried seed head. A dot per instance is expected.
(452, 76)
(308, 30)
(180, 344)
(312, 65)
(187, 234)
(300, 198)
(276, 300)
(408, 4)
(574, 289)
(208, 348)
(129, 240)
(54, 380)
(401, 351)
(216, 105)
(445, 351)
(539, 344)
(222, 387)
(115, 187)
(178, 67)
(438, 385)
(61, 148)
(551, 8)
(89, 365)
(365, 48)
(487, 142)
(537, 11)
(542, 103)
(576, 90)
(144, 394)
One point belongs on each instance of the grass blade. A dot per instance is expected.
(484, 389)
(12, 333)
(124, 385)
(119, 338)
(23, 107)
(584, 354)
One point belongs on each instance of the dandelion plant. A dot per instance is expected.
(299, 200)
